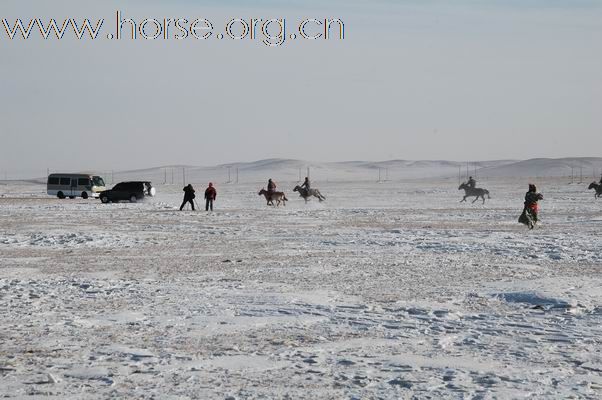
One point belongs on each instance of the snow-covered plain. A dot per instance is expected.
(386, 290)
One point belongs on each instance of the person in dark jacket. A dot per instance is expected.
(529, 216)
(471, 182)
(210, 195)
(188, 196)
(271, 186)
(306, 184)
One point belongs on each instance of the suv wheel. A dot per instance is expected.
(133, 198)
(104, 199)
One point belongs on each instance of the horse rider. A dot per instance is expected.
(306, 184)
(271, 186)
(601, 179)
(471, 182)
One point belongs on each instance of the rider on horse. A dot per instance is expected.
(471, 182)
(306, 184)
(271, 186)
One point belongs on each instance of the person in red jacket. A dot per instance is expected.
(210, 195)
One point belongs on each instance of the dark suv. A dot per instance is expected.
(131, 191)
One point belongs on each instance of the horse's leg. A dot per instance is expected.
(475, 199)
(483, 199)
(464, 199)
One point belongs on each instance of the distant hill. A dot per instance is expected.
(294, 170)
(547, 167)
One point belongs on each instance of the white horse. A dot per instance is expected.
(307, 194)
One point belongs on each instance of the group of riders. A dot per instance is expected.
(529, 216)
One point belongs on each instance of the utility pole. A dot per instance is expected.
(229, 177)
(308, 172)
(236, 174)
(572, 174)
(164, 176)
(112, 176)
(172, 176)
(379, 180)
(581, 175)
(184, 176)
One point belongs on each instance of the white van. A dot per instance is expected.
(75, 185)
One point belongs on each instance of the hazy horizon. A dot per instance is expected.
(468, 81)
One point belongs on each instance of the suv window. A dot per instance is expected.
(129, 186)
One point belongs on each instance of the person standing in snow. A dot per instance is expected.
(188, 196)
(210, 195)
(529, 216)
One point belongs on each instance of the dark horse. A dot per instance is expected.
(473, 192)
(597, 187)
(306, 194)
(280, 197)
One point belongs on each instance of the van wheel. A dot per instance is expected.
(84, 195)
(133, 198)
(71, 197)
(60, 195)
(104, 199)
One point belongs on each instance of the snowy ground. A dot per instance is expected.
(390, 290)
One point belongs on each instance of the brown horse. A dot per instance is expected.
(597, 187)
(280, 197)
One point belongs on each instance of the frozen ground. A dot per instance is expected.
(391, 290)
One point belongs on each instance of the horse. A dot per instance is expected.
(307, 194)
(476, 192)
(597, 187)
(280, 197)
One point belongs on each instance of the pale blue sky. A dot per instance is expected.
(459, 80)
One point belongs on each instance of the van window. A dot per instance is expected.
(65, 181)
(98, 181)
(83, 182)
(53, 181)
